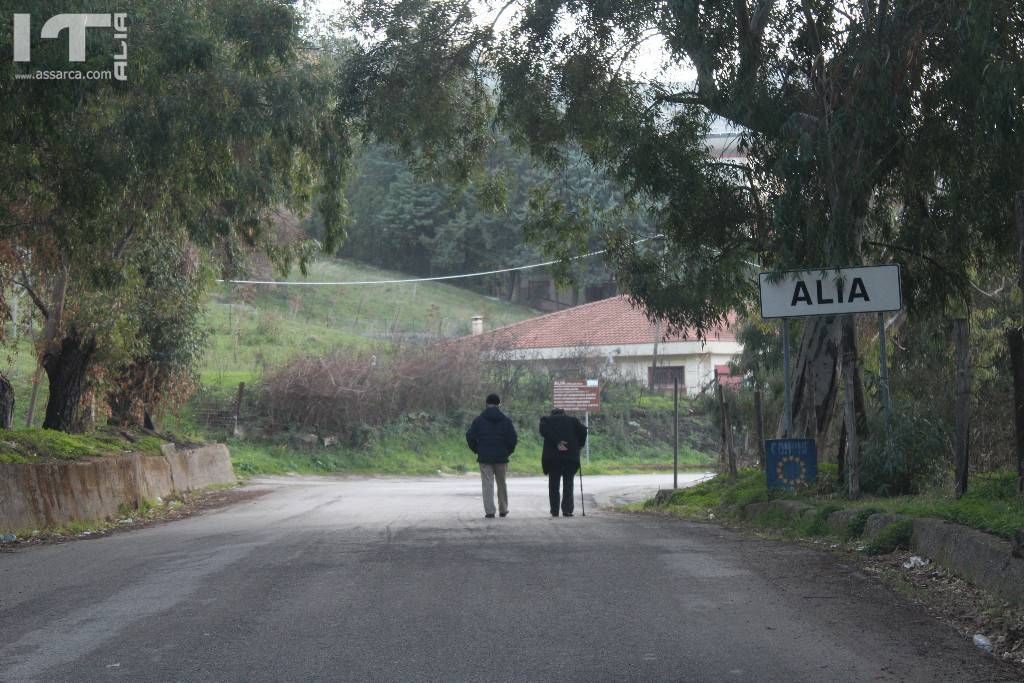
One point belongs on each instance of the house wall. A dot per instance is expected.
(631, 361)
(699, 373)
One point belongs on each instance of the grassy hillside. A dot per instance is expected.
(256, 327)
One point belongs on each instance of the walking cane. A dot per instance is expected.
(583, 504)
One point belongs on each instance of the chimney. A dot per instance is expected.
(478, 325)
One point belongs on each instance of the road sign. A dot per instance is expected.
(793, 294)
(790, 462)
(578, 396)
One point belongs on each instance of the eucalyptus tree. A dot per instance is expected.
(226, 114)
(872, 130)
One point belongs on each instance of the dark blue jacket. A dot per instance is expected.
(492, 436)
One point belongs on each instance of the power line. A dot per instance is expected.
(301, 283)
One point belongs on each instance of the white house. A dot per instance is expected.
(619, 336)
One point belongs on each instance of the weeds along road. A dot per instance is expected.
(403, 580)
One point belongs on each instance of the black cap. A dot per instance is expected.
(557, 411)
(493, 400)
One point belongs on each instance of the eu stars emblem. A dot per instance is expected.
(790, 463)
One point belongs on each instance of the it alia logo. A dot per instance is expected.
(76, 26)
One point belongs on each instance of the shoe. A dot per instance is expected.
(567, 514)
(503, 514)
(490, 516)
(554, 514)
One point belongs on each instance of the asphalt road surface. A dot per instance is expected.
(403, 580)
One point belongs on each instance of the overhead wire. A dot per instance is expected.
(437, 278)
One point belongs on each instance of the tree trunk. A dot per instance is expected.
(65, 369)
(850, 342)
(1016, 339)
(724, 419)
(962, 408)
(6, 403)
(731, 441)
(513, 288)
(814, 382)
(852, 456)
(37, 377)
(841, 453)
(759, 426)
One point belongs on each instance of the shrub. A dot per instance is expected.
(351, 394)
(895, 536)
(910, 460)
(816, 523)
(855, 527)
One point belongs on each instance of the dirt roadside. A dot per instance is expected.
(180, 506)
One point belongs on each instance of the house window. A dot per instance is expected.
(661, 377)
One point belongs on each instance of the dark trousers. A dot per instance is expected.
(566, 479)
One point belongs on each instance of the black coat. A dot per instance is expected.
(492, 436)
(570, 432)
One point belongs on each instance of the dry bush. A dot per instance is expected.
(345, 393)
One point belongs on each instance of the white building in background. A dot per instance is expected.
(613, 334)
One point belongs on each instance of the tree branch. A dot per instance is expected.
(36, 299)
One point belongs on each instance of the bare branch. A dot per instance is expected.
(26, 284)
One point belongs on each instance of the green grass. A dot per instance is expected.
(720, 495)
(891, 538)
(402, 450)
(29, 445)
(991, 504)
(258, 327)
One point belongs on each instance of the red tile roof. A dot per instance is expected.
(609, 322)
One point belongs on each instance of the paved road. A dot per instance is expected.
(386, 579)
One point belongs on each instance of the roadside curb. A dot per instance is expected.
(978, 557)
(38, 495)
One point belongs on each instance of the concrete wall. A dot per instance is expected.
(53, 494)
(983, 559)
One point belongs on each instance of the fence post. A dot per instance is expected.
(759, 426)
(723, 417)
(238, 408)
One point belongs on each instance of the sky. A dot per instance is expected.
(647, 59)
(647, 62)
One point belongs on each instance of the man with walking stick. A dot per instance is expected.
(564, 436)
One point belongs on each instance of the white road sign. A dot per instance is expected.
(795, 294)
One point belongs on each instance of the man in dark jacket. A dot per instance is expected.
(564, 436)
(492, 437)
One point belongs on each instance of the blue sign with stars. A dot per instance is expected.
(790, 463)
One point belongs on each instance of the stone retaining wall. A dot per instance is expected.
(33, 496)
(983, 559)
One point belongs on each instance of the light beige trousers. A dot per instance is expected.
(489, 474)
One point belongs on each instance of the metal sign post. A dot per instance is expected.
(835, 292)
(787, 403)
(675, 432)
(586, 423)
